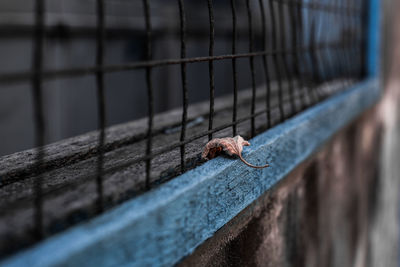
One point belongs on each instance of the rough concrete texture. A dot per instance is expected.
(340, 208)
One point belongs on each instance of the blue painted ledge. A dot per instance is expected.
(165, 224)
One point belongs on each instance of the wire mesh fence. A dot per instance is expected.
(296, 52)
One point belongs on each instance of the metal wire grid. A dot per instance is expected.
(349, 14)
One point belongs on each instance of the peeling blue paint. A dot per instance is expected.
(168, 223)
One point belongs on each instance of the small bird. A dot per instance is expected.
(229, 145)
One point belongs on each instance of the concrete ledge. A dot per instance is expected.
(166, 224)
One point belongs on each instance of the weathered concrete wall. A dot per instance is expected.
(340, 208)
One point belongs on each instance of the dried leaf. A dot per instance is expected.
(229, 145)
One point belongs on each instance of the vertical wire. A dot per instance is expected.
(282, 27)
(211, 66)
(355, 39)
(150, 100)
(352, 44)
(352, 51)
(274, 40)
(320, 50)
(363, 21)
(339, 50)
(360, 37)
(344, 63)
(265, 65)
(301, 44)
(37, 66)
(251, 61)
(296, 51)
(328, 48)
(234, 71)
(182, 16)
(347, 39)
(314, 62)
(100, 102)
(346, 60)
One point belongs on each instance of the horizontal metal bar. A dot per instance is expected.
(82, 71)
(65, 31)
